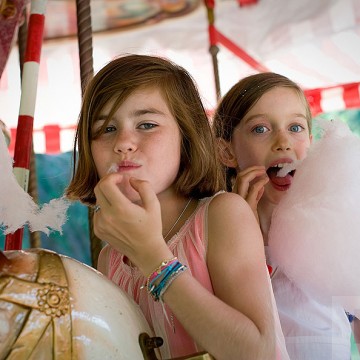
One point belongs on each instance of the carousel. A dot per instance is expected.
(55, 307)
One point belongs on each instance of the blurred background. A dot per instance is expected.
(315, 43)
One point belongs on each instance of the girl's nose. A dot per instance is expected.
(282, 141)
(124, 143)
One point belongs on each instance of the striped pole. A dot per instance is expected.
(30, 74)
(213, 49)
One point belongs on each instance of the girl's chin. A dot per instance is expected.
(129, 192)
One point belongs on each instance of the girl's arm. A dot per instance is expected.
(237, 323)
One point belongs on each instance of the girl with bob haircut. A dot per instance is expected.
(147, 162)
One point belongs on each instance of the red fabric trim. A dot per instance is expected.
(314, 99)
(52, 139)
(247, 2)
(351, 95)
(240, 52)
(35, 37)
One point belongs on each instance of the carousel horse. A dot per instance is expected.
(55, 307)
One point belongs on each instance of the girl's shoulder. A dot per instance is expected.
(222, 212)
(229, 212)
(228, 202)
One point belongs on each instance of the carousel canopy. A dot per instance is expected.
(315, 43)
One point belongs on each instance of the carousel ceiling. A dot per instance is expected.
(111, 14)
(315, 43)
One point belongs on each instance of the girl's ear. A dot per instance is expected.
(226, 154)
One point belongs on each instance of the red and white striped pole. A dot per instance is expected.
(30, 74)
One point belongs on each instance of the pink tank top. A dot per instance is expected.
(189, 245)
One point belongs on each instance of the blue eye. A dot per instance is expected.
(260, 129)
(296, 128)
(109, 128)
(147, 126)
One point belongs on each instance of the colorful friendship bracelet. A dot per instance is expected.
(157, 272)
(172, 277)
(156, 287)
(161, 278)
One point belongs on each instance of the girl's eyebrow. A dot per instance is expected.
(135, 113)
(101, 117)
(146, 111)
(252, 117)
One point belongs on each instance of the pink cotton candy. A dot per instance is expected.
(315, 232)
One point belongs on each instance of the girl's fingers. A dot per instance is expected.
(250, 184)
(148, 197)
(241, 187)
(247, 178)
(252, 171)
(255, 192)
(107, 192)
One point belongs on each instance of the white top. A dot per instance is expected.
(313, 331)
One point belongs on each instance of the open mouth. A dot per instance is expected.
(281, 175)
(281, 170)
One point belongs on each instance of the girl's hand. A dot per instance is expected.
(249, 184)
(134, 230)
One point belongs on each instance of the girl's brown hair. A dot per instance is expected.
(241, 98)
(200, 170)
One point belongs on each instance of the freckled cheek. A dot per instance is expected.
(99, 159)
(248, 155)
(303, 148)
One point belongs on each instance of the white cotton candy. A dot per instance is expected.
(288, 168)
(315, 230)
(17, 207)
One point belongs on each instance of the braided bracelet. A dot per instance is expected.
(160, 279)
(158, 271)
(171, 278)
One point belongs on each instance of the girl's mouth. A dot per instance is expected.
(281, 175)
(123, 167)
(288, 168)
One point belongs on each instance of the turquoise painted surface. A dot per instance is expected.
(53, 175)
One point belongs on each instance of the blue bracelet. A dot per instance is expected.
(157, 288)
